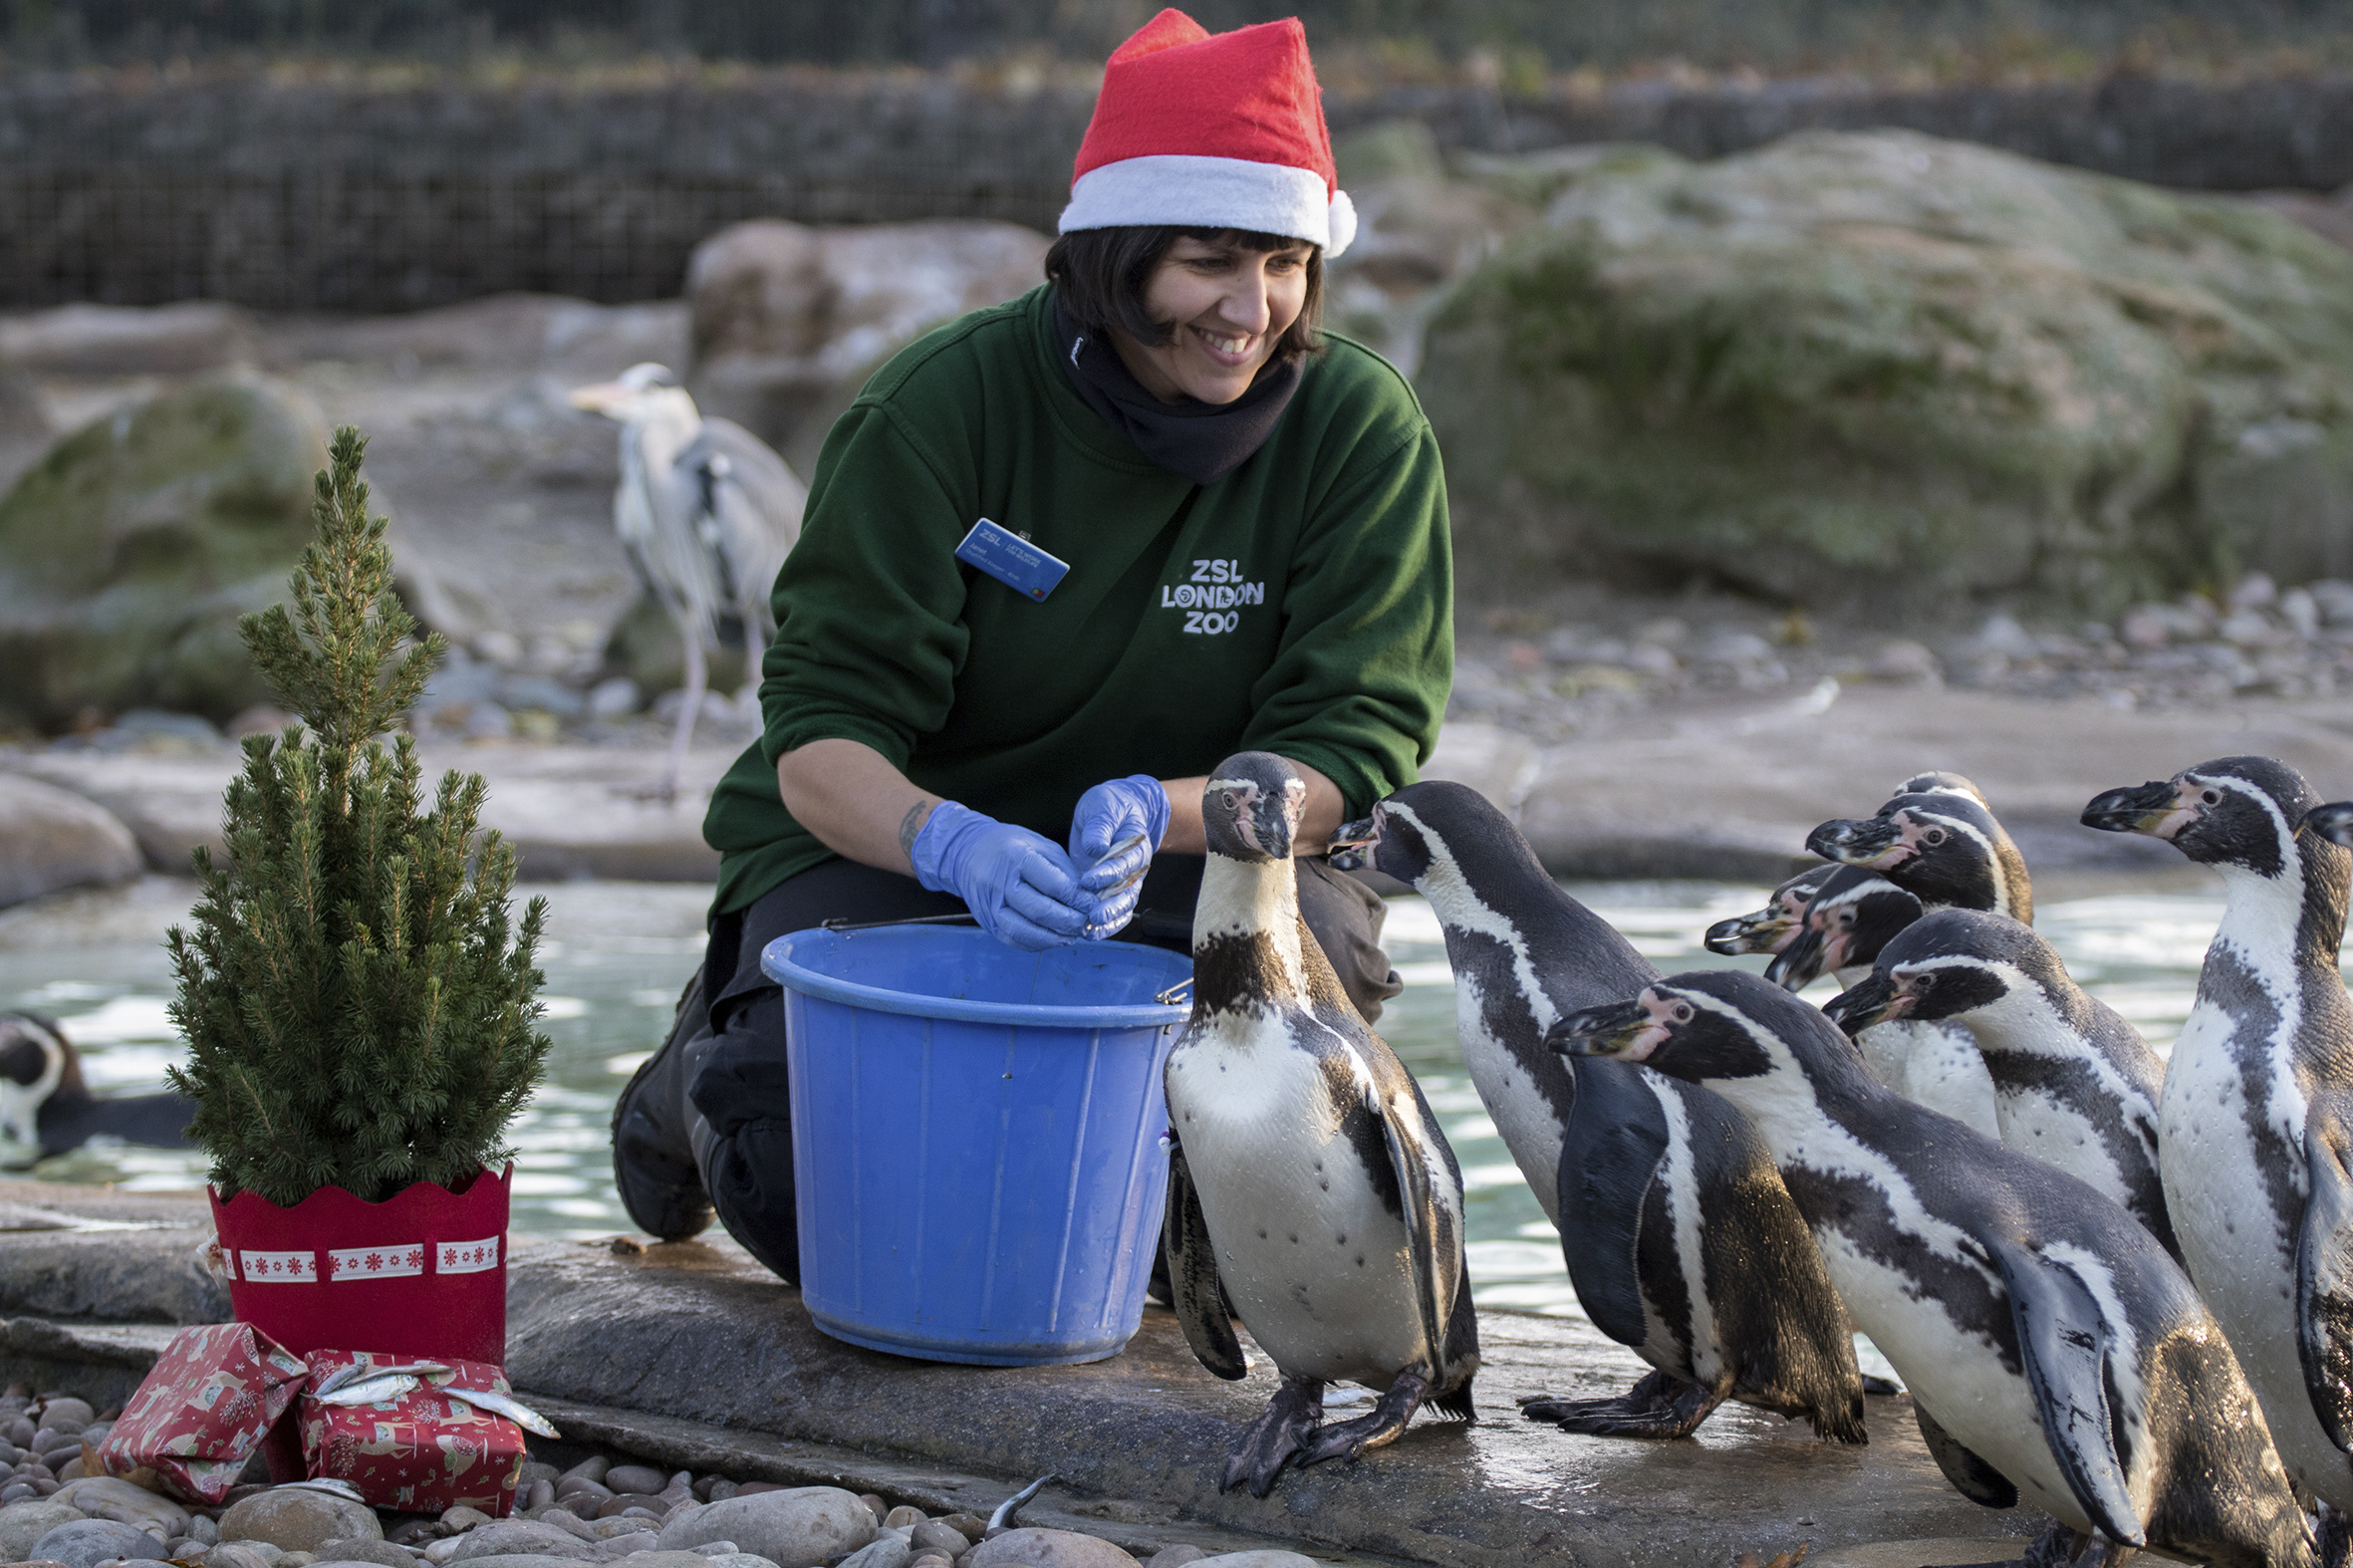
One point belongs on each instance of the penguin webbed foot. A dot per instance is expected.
(1658, 1408)
(1879, 1388)
(1350, 1439)
(1276, 1438)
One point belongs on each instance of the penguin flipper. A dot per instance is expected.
(1971, 1476)
(2064, 1342)
(1418, 1198)
(1462, 1352)
(2324, 1272)
(1611, 1150)
(1193, 1278)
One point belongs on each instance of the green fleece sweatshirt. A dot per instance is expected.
(1301, 604)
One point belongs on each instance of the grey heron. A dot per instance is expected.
(708, 513)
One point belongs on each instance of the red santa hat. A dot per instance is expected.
(1215, 130)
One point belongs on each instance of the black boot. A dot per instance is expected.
(654, 1161)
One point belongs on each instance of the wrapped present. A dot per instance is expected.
(203, 1412)
(405, 1432)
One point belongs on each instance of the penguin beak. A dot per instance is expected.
(1756, 932)
(1874, 1001)
(2156, 808)
(2332, 822)
(1624, 1030)
(1797, 966)
(1877, 841)
(1348, 846)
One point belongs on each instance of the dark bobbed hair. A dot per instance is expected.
(1100, 276)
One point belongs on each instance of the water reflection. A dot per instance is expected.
(610, 998)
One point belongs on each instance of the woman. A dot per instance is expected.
(1254, 521)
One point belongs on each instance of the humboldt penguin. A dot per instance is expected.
(1850, 914)
(1941, 844)
(1674, 1225)
(1936, 839)
(2074, 1084)
(2056, 1354)
(2256, 1127)
(46, 1109)
(1308, 1177)
(1776, 927)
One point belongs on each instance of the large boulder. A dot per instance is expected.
(783, 313)
(1890, 370)
(128, 553)
(51, 839)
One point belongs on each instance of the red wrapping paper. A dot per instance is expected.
(420, 1452)
(203, 1412)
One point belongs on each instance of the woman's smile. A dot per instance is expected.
(1227, 307)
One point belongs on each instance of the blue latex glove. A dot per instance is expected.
(1017, 882)
(1113, 835)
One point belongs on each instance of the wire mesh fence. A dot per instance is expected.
(349, 191)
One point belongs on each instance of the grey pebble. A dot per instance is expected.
(539, 1493)
(344, 1550)
(84, 1543)
(635, 1477)
(904, 1514)
(933, 1533)
(565, 1520)
(884, 1551)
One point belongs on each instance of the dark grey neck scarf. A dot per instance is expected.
(1203, 441)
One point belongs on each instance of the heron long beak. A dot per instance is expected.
(1756, 931)
(2333, 822)
(2154, 808)
(1798, 965)
(597, 398)
(1874, 1001)
(1612, 1030)
(1877, 841)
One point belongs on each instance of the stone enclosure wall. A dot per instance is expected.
(342, 196)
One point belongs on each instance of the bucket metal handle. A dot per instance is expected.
(1177, 995)
(842, 922)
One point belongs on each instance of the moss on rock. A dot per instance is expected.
(1888, 369)
(129, 551)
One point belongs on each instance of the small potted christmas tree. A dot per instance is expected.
(359, 1014)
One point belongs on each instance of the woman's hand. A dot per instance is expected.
(1113, 836)
(1019, 885)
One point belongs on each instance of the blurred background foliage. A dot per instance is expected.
(1523, 45)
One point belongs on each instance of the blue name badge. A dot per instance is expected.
(1011, 560)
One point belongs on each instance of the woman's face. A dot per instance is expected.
(1228, 307)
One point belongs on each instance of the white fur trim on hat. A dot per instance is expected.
(1211, 192)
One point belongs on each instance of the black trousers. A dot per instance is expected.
(732, 1028)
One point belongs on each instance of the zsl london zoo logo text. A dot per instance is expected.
(1211, 599)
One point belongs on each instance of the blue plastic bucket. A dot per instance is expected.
(977, 1138)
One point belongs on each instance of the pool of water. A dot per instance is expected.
(618, 955)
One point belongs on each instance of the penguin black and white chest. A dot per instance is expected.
(1676, 1230)
(2056, 1354)
(2256, 1127)
(2074, 1084)
(1309, 1177)
(46, 1109)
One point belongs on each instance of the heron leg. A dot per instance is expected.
(698, 683)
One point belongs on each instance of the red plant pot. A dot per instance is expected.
(422, 1273)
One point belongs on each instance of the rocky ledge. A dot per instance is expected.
(689, 1358)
